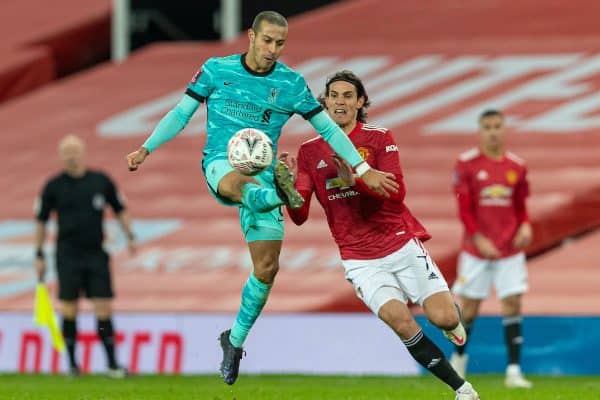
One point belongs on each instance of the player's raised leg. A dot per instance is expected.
(247, 190)
(432, 292)
(244, 189)
(469, 311)
(441, 310)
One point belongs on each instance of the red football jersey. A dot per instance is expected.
(364, 224)
(491, 196)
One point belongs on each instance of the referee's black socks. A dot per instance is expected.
(107, 336)
(69, 331)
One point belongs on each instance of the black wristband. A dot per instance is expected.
(39, 253)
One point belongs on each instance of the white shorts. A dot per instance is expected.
(408, 273)
(476, 275)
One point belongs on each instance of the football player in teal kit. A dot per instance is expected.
(254, 90)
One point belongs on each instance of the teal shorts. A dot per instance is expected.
(255, 226)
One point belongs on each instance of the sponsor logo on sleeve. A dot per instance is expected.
(196, 76)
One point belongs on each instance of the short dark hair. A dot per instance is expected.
(350, 77)
(491, 113)
(272, 17)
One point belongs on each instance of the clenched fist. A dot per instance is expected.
(135, 159)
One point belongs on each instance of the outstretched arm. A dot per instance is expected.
(345, 172)
(168, 127)
(380, 182)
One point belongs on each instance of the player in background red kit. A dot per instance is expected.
(379, 239)
(491, 188)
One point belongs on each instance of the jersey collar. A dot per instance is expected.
(495, 160)
(252, 72)
(356, 129)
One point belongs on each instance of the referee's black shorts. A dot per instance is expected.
(83, 271)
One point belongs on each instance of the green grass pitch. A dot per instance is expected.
(283, 387)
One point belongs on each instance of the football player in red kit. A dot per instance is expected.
(491, 188)
(380, 241)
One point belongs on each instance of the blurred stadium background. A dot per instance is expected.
(429, 66)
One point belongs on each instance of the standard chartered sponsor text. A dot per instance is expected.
(240, 109)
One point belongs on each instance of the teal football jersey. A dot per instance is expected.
(237, 97)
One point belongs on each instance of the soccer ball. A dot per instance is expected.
(250, 151)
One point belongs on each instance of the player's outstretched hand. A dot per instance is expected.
(523, 237)
(291, 162)
(135, 159)
(344, 170)
(383, 183)
(485, 246)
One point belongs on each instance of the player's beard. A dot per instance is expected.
(259, 60)
(266, 64)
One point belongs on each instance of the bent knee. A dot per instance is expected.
(445, 320)
(266, 269)
(231, 185)
(399, 319)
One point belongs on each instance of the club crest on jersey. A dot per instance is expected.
(511, 177)
(98, 201)
(273, 95)
(364, 152)
(482, 175)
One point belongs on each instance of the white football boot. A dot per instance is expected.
(466, 392)
(458, 335)
(515, 379)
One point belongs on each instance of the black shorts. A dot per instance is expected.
(83, 272)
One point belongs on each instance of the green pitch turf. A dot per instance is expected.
(271, 387)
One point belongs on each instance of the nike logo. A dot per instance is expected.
(227, 83)
(459, 341)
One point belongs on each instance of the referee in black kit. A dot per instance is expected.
(79, 196)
